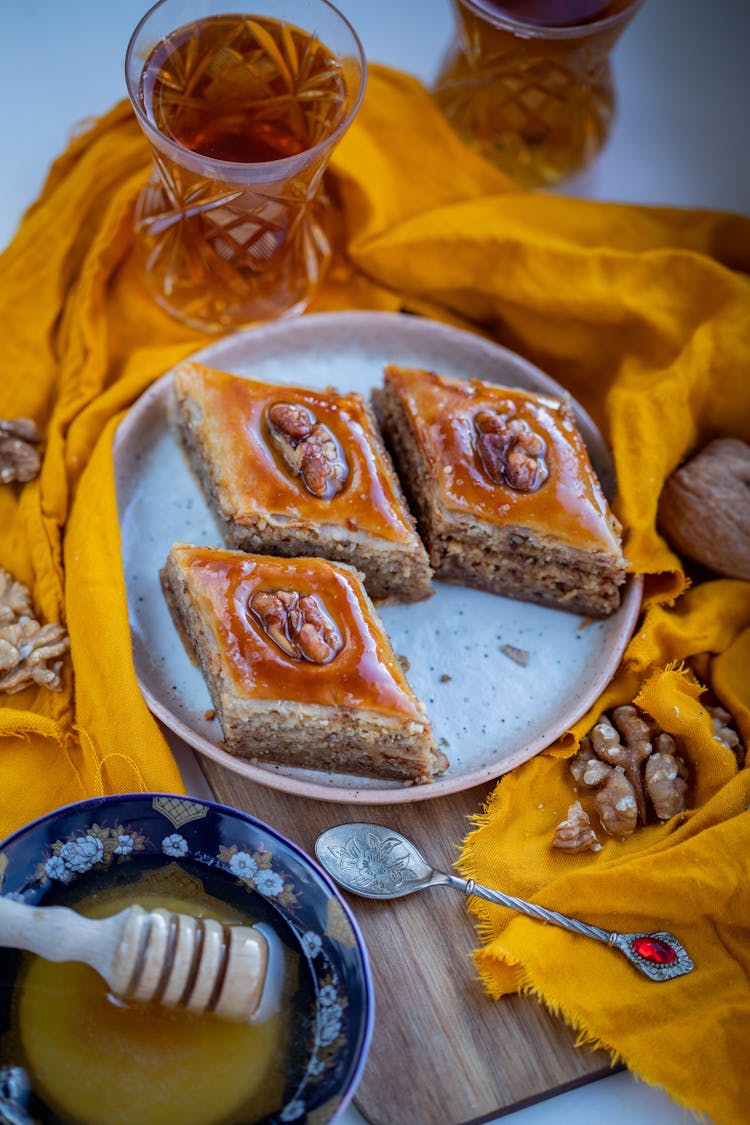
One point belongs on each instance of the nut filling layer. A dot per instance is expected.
(307, 448)
(300, 626)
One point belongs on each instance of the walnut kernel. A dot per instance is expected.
(15, 599)
(616, 805)
(629, 753)
(29, 651)
(666, 778)
(19, 457)
(633, 767)
(725, 733)
(575, 834)
(510, 451)
(298, 624)
(307, 448)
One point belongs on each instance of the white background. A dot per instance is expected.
(681, 137)
(682, 71)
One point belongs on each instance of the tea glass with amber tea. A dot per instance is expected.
(242, 110)
(528, 83)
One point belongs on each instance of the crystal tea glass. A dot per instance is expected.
(528, 83)
(242, 109)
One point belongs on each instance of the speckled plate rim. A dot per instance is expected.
(400, 334)
(18, 862)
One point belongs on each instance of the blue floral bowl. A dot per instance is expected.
(114, 840)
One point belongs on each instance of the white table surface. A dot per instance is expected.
(680, 138)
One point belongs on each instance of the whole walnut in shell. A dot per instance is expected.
(704, 508)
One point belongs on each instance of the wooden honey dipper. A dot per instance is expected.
(172, 959)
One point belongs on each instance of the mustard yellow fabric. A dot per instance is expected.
(644, 315)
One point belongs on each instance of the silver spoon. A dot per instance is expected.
(378, 862)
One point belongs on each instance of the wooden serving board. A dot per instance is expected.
(442, 1053)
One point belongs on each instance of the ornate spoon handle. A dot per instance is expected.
(659, 956)
(378, 862)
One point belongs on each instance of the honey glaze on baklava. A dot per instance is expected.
(299, 667)
(295, 471)
(503, 489)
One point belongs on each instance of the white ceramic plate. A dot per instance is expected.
(489, 712)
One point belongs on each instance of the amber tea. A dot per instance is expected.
(246, 90)
(528, 82)
(242, 112)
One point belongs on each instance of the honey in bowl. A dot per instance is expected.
(92, 1057)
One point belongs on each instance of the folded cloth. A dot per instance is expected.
(642, 313)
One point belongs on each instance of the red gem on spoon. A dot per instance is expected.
(654, 950)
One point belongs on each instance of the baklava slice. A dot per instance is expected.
(504, 493)
(299, 668)
(294, 471)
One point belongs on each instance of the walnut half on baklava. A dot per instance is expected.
(296, 471)
(505, 495)
(299, 667)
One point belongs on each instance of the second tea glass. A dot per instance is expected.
(242, 112)
(534, 96)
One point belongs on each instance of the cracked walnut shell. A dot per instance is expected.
(704, 508)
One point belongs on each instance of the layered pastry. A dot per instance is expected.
(293, 471)
(300, 669)
(505, 495)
